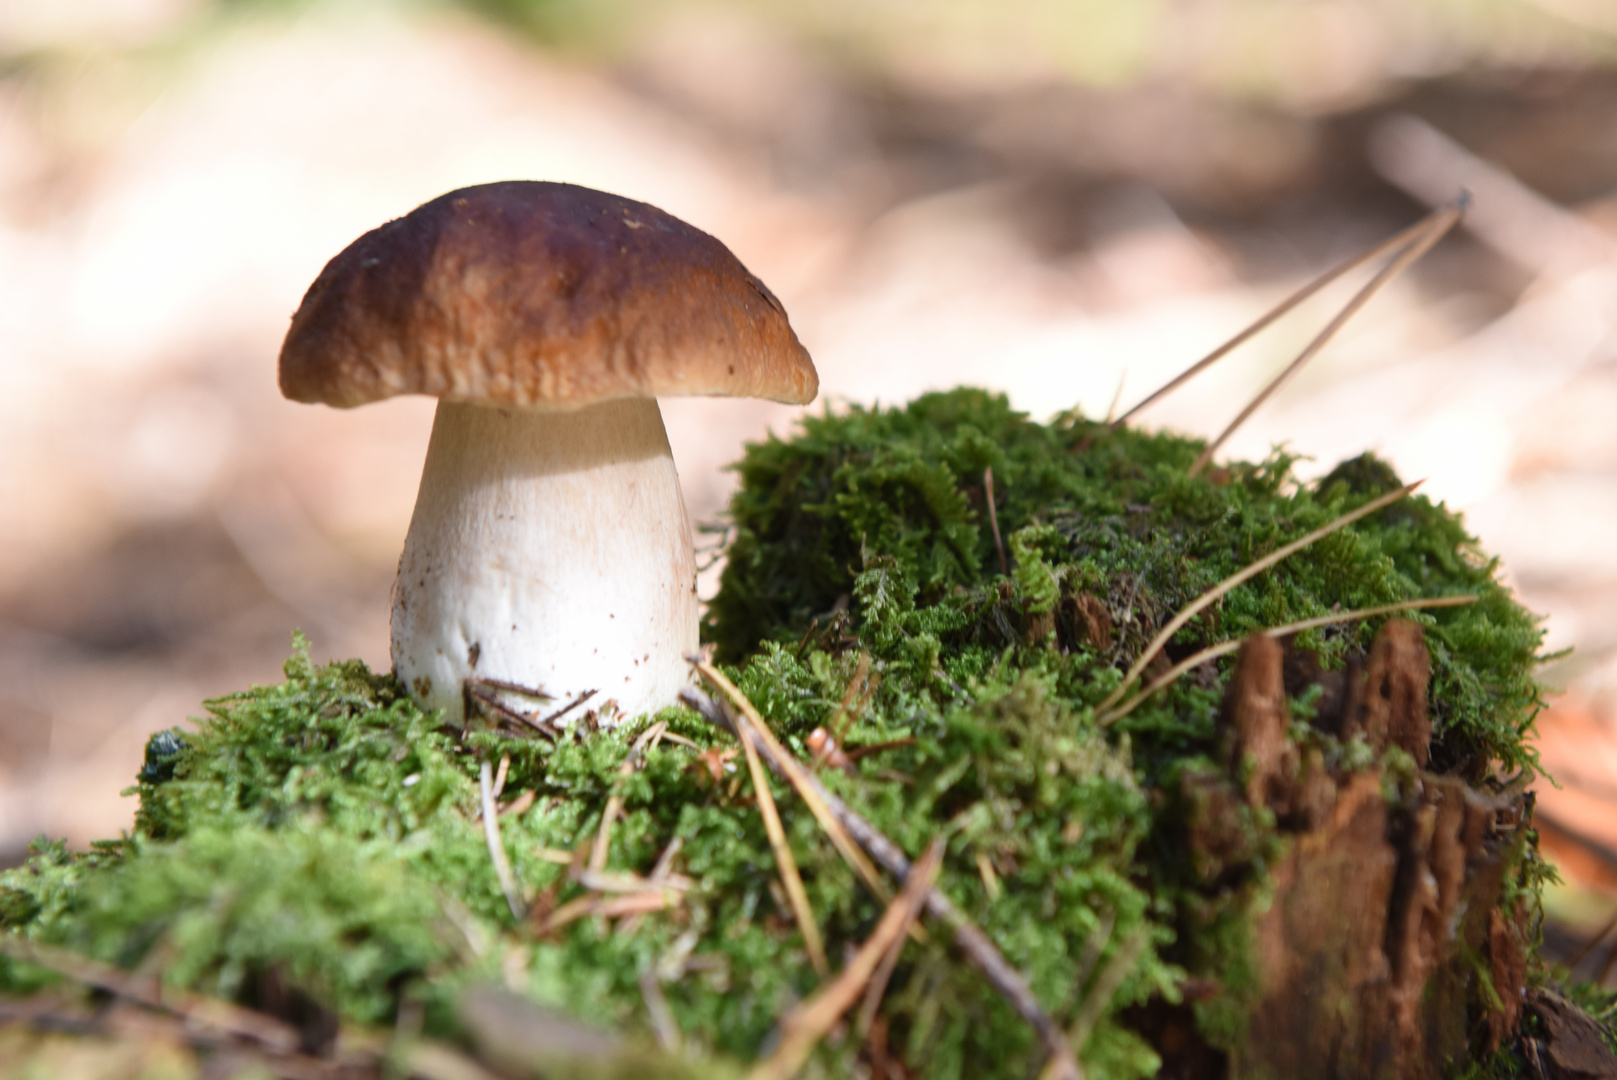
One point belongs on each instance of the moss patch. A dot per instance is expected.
(323, 832)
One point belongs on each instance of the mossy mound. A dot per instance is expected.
(324, 834)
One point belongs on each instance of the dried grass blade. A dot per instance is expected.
(1390, 244)
(800, 779)
(1224, 648)
(496, 847)
(1191, 610)
(783, 856)
(1436, 227)
(808, 1023)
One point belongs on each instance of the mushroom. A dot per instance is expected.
(549, 546)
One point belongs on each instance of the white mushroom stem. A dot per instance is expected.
(548, 549)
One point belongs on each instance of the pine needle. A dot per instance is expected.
(783, 856)
(1435, 228)
(1224, 648)
(1211, 595)
(800, 779)
(973, 943)
(496, 847)
(808, 1022)
(993, 518)
(854, 699)
(608, 906)
(1100, 995)
(1393, 243)
(614, 802)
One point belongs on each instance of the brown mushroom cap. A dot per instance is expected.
(539, 295)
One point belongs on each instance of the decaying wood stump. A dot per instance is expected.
(1383, 946)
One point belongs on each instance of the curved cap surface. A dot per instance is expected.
(539, 295)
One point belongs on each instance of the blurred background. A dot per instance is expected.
(1067, 201)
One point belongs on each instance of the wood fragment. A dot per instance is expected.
(807, 1023)
(1394, 711)
(1256, 717)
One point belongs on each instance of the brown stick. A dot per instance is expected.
(973, 943)
(794, 774)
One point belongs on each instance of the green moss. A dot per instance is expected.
(326, 830)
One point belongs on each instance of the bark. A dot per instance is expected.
(1382, 941)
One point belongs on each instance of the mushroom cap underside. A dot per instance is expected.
(540, 295)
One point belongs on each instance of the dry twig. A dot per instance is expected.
(809, 790)
(614, 802)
